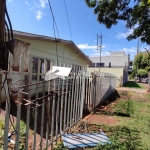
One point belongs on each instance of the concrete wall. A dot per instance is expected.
(114, 71)
(118, 72)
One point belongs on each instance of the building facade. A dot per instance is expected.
(115, 60)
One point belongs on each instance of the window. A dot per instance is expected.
(43, 68)
(109, 64)
(99, 65)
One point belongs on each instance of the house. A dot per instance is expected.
(117, 64)
(39, 53)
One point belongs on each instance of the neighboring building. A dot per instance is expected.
(115, 60)
(117, 64)
(40, 53)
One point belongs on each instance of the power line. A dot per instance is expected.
(68, 19)
(54, 22)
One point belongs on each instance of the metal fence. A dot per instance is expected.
(49, 107)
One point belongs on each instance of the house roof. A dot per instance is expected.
(46, 38)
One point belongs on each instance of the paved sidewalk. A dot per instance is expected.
(132, 89)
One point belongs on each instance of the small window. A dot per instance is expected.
(48, 65)
(35, 67)
(109, 64)
(102, 64)
(42, 68)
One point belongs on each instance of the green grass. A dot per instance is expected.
(133, 129)
(133, 84)
(1, 133)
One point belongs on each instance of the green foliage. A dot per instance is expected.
(60, 146)
(142, 72)
(142, 62)
(109, 12)
(133, 84)
(125, 107)
(122, 138)
(1, 133)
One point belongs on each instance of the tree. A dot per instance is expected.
(136, 16)
(142, 62)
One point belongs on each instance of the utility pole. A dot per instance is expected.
(2, 25)
(100, 48)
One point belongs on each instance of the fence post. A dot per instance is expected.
(29, 97)
(19, 103)
(82, 96)
(7, 104)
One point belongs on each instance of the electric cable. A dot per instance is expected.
(9, 22)
(54, 24)
(68, 19)
(7, 31)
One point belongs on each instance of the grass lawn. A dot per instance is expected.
(133, 84)
(132, 131)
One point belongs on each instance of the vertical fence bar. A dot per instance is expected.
(7, 107)
(36, 107)
(58, 109)
(82, 96)
(62, 105)
(79, 102)
(19, 102)
(53, 114)
(43, 107)
(30, 66)
(74, 99)
(65, 109)
(48, 109)
(69, 100)
(72, 95)
(42, 119)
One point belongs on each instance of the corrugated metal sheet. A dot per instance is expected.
(84, 140)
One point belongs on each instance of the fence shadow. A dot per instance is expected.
(131, 84)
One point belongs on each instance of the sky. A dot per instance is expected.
(79, 25)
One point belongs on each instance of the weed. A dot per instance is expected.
(124, 108)
(60, 146)
(1, 133)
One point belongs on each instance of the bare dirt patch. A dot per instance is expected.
(101, 119)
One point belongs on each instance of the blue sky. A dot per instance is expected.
(34, 16)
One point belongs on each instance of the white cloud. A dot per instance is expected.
(124, 35)
(9, 0)
(27, 3)
(43, 3)
(87, 46)
(39, 14)
(129, 50)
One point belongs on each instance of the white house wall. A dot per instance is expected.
(47, 50)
